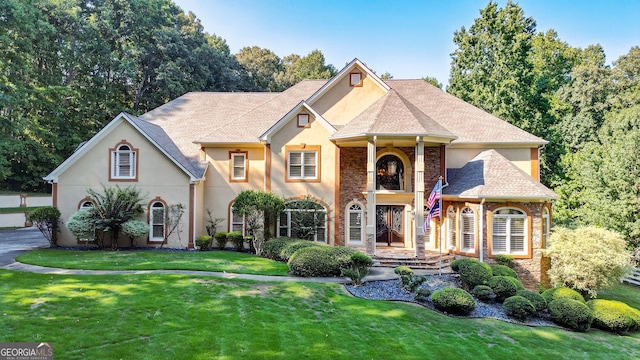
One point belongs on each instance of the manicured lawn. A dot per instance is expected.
(180, 317)
(229, 261)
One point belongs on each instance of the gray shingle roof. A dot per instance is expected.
(491, 175)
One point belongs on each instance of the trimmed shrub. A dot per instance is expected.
(315, 261)
(221, 239)
(134, 229)
(536, 299)
(504, 259)
(519, 307)
(359, 267)
(561, 292)
(406, 275)
(203, 242)
(236, 238)
(423, 293)
(614, 316)
(415, 282)
(503, 287)
(453, 300)
(272, 247)
(473, 272)
(518, 284)
(47, 220)
(291, 247)
(484, 293)
(80, 224)
(571, 313)
(455, 264)
(503, 270)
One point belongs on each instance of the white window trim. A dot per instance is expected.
(471, 216)
(152, 224)
(288, 212)
(116, 156)
(348, 226)
(232, 223)
(509, 217)
(303, 166)
(451, 226)
(244, 166)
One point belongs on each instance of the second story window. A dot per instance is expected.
(239, 168)
(123, 162)
(303, 163)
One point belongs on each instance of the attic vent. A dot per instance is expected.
(355, 79)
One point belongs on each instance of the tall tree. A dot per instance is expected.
(262, 66)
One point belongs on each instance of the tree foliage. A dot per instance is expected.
(261, 209)
(47, 220)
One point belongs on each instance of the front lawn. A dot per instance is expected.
(229, 261)
(180, 317)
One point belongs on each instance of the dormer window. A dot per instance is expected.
(123, 162)
(303, 120)
(355, 79)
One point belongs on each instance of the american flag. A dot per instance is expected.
(434, 205)
(433, 213)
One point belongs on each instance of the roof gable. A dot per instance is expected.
(290, 116)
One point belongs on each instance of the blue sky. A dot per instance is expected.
(409, 39)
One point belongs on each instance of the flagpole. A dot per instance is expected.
(440, 232)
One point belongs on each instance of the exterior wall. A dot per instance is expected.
(19, 200)
(458, 157)
(218, 191)
(344, 102)
(324, 189)
(157, 177)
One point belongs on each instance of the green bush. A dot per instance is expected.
(273, 247)
(519, 307)
(47, 220)
(236, 238)
(422, 294)
(561, 292)
(518, 284)
(135, 229)
(535, 298)
(318, 261)
(473, 272)
(415, 282)
(291, 247)
(455, 264)
(406, 275)
(614, 316)
(503, 287)
(506, 260)
(359, 267)
(221, 239)
(484, 293)
(203, 242)
(503, 270)
(80, 224)
(571, 313)
(453, 300)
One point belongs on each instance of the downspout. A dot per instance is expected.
(482, 230)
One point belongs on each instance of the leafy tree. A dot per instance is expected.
(386, 76)
(81, 225)
(311, 66)
(433, 81)
(135, 229)
(309, 216)
(262, 67)
(47, 220)
(112, 208)
(261, 209)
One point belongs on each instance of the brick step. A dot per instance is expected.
(430, 263)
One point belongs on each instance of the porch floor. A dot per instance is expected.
(392, 256)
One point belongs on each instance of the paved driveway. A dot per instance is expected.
(16, 242)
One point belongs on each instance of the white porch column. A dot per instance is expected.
(419, 199)
(371, 197)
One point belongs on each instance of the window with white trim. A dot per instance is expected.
(303, 219)
(355, 224)
(123, 162)
(303, 120)
(238, 166)
(86, 205)
(157, 217)
(467, 230)
(451, 226)
(237, 221)
(509, 231)
(302, 165)
(355, 79)
(546, 227)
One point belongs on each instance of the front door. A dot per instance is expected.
(389, 229)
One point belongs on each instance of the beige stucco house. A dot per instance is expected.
(369, 150)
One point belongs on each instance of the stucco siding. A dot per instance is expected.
(458, 157)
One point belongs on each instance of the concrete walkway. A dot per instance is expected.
(16, 242)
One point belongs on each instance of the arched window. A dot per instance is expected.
(123, 162)
(237, 222)
(157, 217)
(451, 227)
(546, 227)
(86, 204)
(467, 230)
(355, 223)
(303, 219)
(509, 232)
(390, 173)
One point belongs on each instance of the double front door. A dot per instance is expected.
(389, 225)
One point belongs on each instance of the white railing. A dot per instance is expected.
(633, 277)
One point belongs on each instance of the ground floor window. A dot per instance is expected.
(157, 217)
(467, 230)
(509, 232)
(355, 223)
(237, 222)
(303, 219)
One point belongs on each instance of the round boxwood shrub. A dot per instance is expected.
(503, 270)
(203, 242)
(571, 313)
(272, 248)
(561, 292)
(484, 293)
(473, 272)
(406, 275)
(221, 239)
(614, 316)
(423, 293)
(455, 264)
(503, 287)
(315, 261)
(519, 307)
(536, 299)
(516, 282)
(504, 259)
(291, 247)
(453, 300)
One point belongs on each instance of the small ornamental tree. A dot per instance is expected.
(112, 208)
(261, 209)
(135, 229)
(587, 259)
(173, 222)
(80, 224)
(47, 220)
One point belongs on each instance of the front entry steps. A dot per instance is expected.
(392, 257)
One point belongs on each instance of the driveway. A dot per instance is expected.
(16, 242)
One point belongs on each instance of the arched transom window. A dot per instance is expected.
(303, 219)
(123, 162)
(157, 222)
(467, 230)
(355, 224)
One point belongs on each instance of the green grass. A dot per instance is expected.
(179, 317)
(18, 209)
(229, 261)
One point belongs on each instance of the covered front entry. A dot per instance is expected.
(390, 225)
